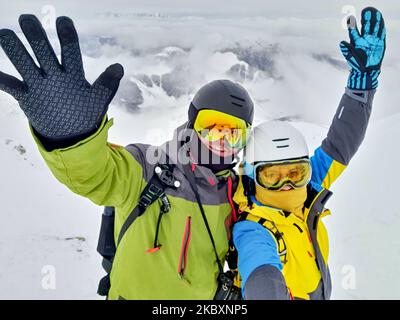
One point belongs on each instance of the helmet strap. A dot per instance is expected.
(192, 115)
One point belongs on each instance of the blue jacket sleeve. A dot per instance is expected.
(324, 169)
(256, 247)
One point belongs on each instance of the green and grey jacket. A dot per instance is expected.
(185, 266)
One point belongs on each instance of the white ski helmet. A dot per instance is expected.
(275, 141)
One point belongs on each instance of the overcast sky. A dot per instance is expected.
(268, 8)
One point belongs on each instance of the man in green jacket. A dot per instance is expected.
(173, 255)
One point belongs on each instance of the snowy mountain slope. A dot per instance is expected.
(366, 216)
(363, 227)
(40, 215)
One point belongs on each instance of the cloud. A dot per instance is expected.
(287, 59)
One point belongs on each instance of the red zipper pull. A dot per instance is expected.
(151, 250)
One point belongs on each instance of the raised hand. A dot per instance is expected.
(58, 101)
(365, 52)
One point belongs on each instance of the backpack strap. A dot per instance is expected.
(154, 190)
(273, 229)
(162, 178)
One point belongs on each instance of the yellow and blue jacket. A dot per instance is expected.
(300, 247)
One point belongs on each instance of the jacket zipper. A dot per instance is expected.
(184, 248)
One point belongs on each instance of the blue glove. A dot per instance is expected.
(364, 53)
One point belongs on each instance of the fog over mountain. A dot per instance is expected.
(287, 58)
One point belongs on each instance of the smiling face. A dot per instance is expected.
(219, 147)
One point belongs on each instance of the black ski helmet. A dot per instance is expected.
(224, 96)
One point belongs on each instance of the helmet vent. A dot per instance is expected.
(281, 140)
(237, 105)
(238, 102)
(236, 97)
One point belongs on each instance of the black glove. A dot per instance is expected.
(58, 101)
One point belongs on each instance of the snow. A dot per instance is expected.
(46, 227)
(365, 218)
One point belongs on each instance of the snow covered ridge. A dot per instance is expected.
(48, 229)
(166, 60)
(172, 72)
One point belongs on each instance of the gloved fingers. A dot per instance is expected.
(382, 29)
(366, 21)
(383, 34)
(354, 34)
(372, 22)
(12, 85)
(110, 78)
(18, 55)
(378, 24)
(350, 53)
(37, 38)
(71, 57)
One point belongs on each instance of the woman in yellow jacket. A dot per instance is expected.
(282, 244)
(278, 203)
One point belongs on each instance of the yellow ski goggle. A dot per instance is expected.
(275, 175)
(214, 125)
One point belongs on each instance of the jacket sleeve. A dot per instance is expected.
(256, 248)
(344, 137)
(266, 283)
(105, 173)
